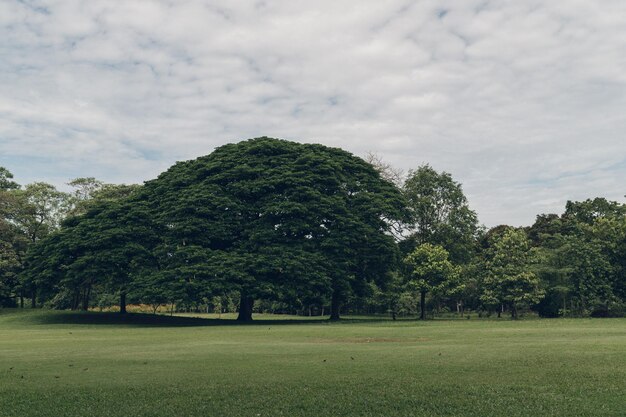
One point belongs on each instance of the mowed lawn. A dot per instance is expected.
(67, 364)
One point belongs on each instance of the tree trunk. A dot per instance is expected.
(246, 304)
(513, 312)
(21, 301)
(122, 303)
(86, 298)
(335, 306)
(75, 300)
(33, 299)
(422, 305)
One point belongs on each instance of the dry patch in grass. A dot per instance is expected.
(370, 340)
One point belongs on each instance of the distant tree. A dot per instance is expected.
(12, 249)
(588, 273)
(509, 279)
(39, 210)
(6, 180)
(583, 258)
(589, 210)
(440, 213)
(89, 192)
(84, 188)
(12, 243)
(545, 225)
(387, 171)
(610, 234)
(430, 270)
(108, 247)
(27, 215)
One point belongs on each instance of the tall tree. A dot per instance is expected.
(440, 213)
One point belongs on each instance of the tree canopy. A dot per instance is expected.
(271, 217)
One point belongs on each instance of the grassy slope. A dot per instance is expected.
(84, 365)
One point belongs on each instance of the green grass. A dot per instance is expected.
(67, 364)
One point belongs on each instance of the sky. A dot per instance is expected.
(523, 102)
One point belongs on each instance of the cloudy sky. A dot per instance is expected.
(524, 102)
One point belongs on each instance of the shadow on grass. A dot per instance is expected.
(159, 320)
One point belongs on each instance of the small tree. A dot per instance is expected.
(509, 279)
(430, 270)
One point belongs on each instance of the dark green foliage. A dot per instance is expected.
(276, 219)
(104, 248)
(267, 218)
(583, 255)
(6, 180)
(592, 209)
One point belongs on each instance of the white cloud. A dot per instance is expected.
(522, 101)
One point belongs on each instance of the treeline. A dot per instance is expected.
(267, 225)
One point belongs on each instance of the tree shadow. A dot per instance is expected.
(159, 320)
(59, 317)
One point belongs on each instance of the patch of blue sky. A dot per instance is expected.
(150, 154)
(553, 182)
(34, 7)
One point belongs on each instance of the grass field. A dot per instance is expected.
(67, 364)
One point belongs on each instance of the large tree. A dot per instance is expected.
(272, 218)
